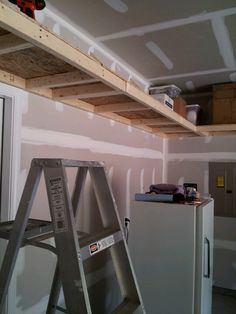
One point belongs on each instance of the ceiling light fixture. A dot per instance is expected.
(232, 77)
(190, 86)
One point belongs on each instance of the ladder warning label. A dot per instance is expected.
(101, 245)
(58, 205)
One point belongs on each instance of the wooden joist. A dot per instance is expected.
(217, 128)
(180, 135)
(60, 80)
(10, 79)
(223, 133)
(84, 91)
(174, 129)
(119, 107)
(152, 121)
(11, 43)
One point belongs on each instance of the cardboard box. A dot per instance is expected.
(165, 100)
(224, 104)
(180, 106)
(224, 91)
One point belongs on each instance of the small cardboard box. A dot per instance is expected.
(180, 106)
(224, 103)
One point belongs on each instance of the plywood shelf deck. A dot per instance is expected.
(36, 60)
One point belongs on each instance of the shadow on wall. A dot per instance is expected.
(225, 268)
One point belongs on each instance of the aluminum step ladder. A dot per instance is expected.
(72, 248)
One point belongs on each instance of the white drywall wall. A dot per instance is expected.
(133, 159)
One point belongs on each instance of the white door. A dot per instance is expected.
(204, 266)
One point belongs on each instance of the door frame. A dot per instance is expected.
(11, 152)
(1, 136)
(10, 158)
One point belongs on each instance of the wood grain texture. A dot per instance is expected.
(153, 121)
(142, 114)
(115, 99)
(60, 80)
(33, 62)
(119, 107)
(84, 91)
(11, 43)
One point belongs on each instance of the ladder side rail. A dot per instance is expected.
(80, 163)
(66, 240)
(56, 284)
(105, 199)
(17, 233)
(125, 272)
(79, 184)
(119, 252)
(55, 292)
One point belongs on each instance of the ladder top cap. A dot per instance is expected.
(55, 162)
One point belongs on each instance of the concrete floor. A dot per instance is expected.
(223, 304)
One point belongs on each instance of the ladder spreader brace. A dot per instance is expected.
(71, 246)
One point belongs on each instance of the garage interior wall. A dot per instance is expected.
(133, 160)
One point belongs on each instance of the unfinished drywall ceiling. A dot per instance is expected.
(188, 43)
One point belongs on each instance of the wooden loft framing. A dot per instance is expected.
(38, 61)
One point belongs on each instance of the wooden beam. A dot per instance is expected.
(78, 104)
(11, 79)
(11, 43)
(181, 135)
(120, 107)
(84, 91)
(176, 129)
(217, 128)
(222, 133)
(152, 121)
(60, 80)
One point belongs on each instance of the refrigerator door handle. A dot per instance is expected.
(207, 262)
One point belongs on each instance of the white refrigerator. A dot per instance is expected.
(171, 247)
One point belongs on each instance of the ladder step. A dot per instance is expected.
(126, 307)
(60, 309)
(92, 245)
(35, 228)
